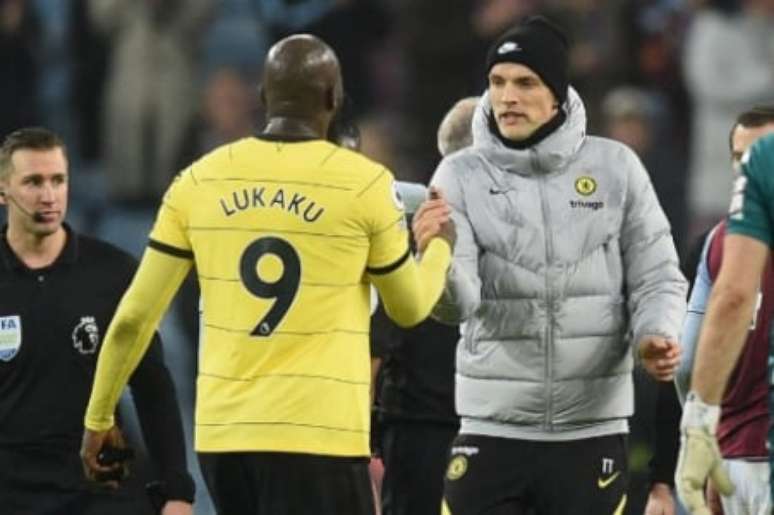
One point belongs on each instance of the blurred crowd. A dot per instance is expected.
(140, 88)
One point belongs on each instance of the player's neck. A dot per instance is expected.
(36, 251)
(294, 127)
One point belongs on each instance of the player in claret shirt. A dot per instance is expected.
(744, 418)
(746, 251)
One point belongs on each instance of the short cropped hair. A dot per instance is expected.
(756, 117)
(455, 131)
(28, 138)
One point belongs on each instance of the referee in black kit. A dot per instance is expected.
(416, 422)
(58, 292)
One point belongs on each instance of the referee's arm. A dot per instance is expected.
(154, 285)
(158, 411)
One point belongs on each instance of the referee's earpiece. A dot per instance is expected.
(36, 217)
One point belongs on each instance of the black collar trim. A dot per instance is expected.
(11, 261)
(286, 138)
(539, 135)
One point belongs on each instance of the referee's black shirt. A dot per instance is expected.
(416, 379)
(52, 323)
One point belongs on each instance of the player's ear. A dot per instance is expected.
(334, 96)
(331, 103)
(262, 95)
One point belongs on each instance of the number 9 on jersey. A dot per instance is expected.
(284, 289)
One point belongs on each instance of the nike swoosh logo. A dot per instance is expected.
(604, 483)
(493, 191)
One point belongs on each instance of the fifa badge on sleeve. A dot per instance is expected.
(10, 337)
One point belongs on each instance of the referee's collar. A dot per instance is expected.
(11, 261)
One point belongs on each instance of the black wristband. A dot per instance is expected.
(180, 487)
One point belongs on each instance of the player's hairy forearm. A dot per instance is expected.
(722, 339)
(729, 314)
(157, 279)
(410, 292)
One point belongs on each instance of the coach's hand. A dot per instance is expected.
(660, 500)
(660, 357)
(92, 445)
(177, 508)
(433, 218)
(699, 457)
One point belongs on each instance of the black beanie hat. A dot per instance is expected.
(539, 45)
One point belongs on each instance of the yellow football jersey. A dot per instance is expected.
(282, 234)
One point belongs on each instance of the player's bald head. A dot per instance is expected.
(301, 77)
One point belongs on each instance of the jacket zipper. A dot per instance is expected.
(549, 369)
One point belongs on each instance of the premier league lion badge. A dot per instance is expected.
(86, 336)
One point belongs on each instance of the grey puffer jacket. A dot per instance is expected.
(564, 258)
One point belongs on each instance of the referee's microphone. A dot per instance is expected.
(36, 217)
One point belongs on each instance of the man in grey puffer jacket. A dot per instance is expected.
(564, 268)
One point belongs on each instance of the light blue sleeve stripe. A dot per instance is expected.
(412, 194)
(697, 306)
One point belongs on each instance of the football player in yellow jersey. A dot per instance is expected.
(286, 231)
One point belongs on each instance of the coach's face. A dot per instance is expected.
(520, 100)
(35, 190)
(744, 137)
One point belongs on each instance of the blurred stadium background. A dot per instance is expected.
(139, 88)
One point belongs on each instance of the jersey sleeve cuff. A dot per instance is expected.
(435, 242)
(384, 270)
(170, 249)
(751, 232)
(180, 487)
(99, 423)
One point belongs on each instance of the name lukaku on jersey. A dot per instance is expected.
(259, 198)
